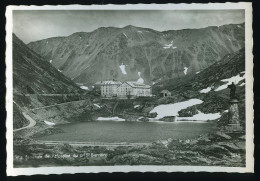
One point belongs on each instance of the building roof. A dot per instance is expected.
(138, 84)
(165, 91)
(109, 82)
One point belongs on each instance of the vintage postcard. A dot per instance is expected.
(120, 88)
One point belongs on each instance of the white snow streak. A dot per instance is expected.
(166, 46)
(136, 106)
(97, 105)
(50, 61)
(201, 117)
(110, 119)
(125, 35)
(236, 79)
(185, 70)
(49, 123)
(59, 70)
(173, 109)
(84, 87)
(122, 67)
(197, 72)
(242, 84)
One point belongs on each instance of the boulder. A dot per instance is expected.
(168, 119)
(131, 118)
(152, 115)
(143, 119)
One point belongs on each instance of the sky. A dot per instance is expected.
(32, 25)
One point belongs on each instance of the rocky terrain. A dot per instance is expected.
(216, 149)
(33, 75)
(131, 53)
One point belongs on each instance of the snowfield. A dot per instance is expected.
(84, 87)
(205, 90)
(201, 117)
(236, 79)
(185, 70)
(122, 67)
(173, 109)
(49, 123)
(110, 119)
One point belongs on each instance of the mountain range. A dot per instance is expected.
(135, 53)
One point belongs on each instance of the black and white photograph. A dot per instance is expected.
(129, 88)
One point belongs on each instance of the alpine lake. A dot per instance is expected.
(128, 132)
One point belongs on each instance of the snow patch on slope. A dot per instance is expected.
(49, 123)
(166, 46)
(97, 105)
(206, 90)
(50, 61)
(84, 87)
(125, 35)
(185, 70)
(122, 67)
(242, 84)
(236, 79)
(173, 109)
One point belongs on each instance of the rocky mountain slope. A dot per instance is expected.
(36, 82)
(134, 53)
(210, 85)
(33, 75)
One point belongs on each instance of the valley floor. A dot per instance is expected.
(209, 149)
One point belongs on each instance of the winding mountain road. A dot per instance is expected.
(32, 122)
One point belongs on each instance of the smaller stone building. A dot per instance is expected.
(165, 93)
